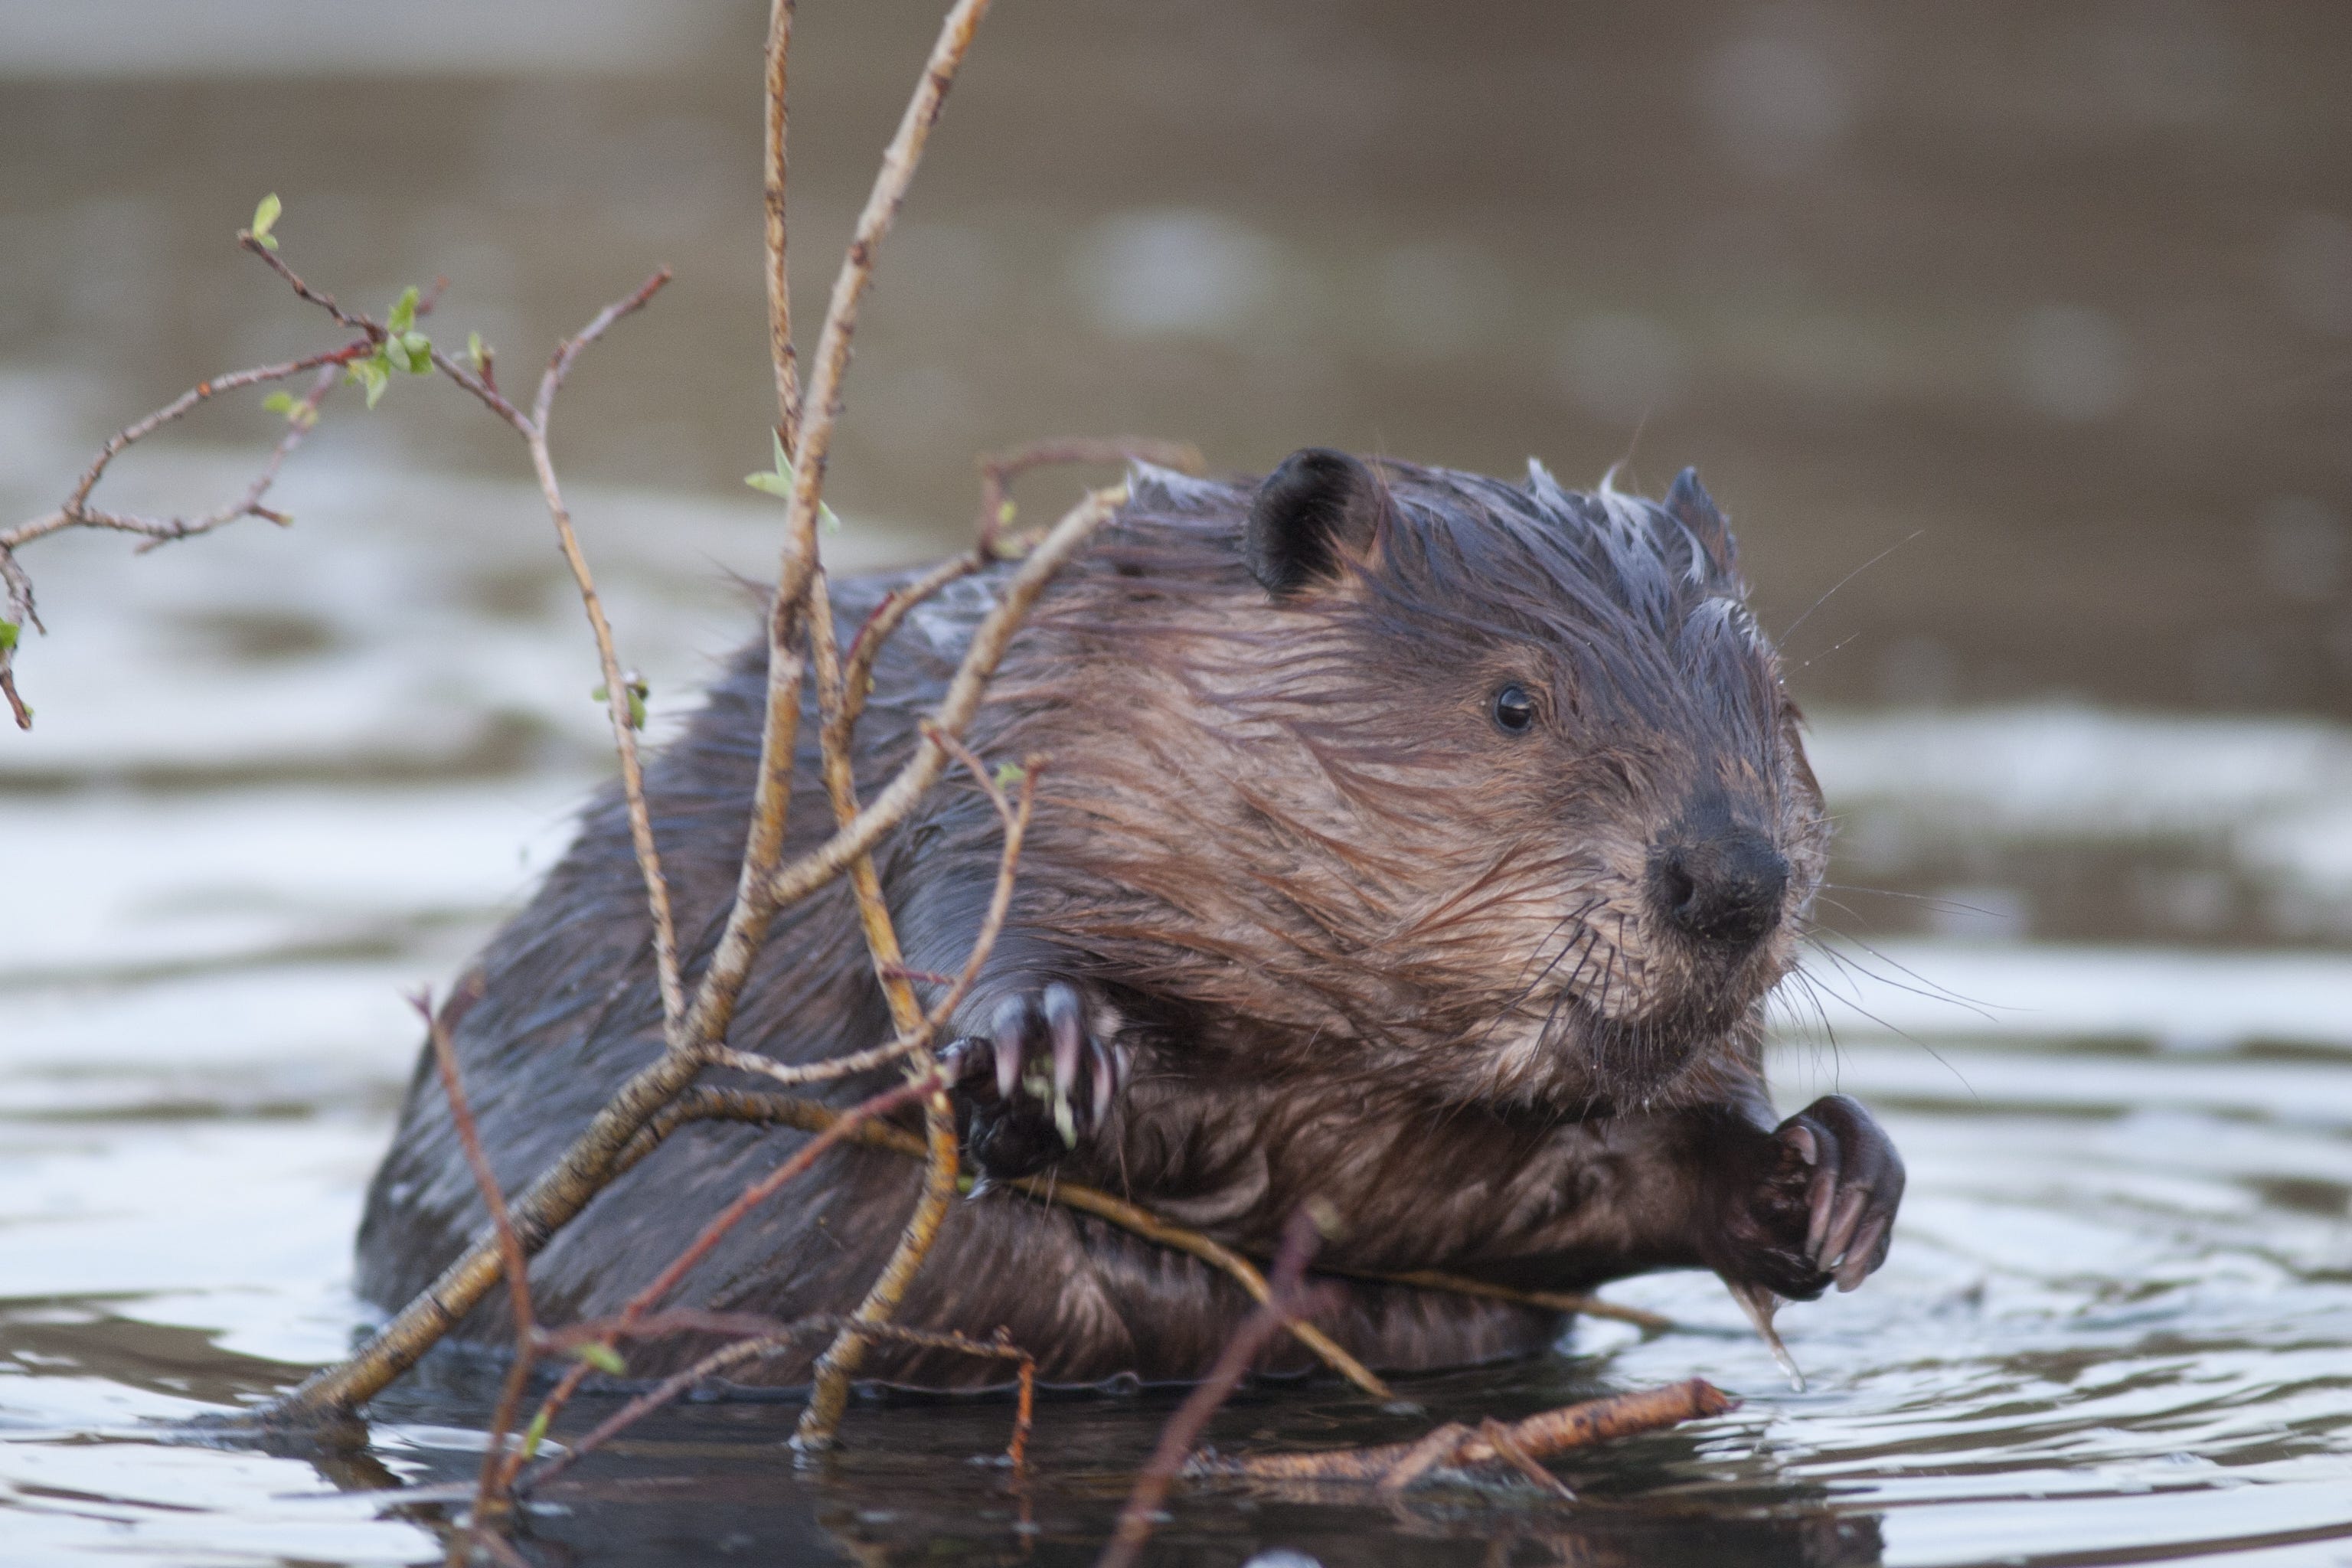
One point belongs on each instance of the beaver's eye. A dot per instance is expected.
(1513, 708)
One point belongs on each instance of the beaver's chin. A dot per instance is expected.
(1640, 1062)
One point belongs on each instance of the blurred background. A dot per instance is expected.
(2016, 340)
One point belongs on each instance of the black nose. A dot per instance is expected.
(1725, 887)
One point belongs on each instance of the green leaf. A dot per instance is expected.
(395, 353)
(778, 482)
(1010, 774)
(9, 632)
(279, 403)
(372, 374)
(420, 352)
(264, 218)
(404, 312)
(638, 692)
(535, 1434)
(604, 1357)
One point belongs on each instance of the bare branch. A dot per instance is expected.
(325, 301)
(1539, 1436)
(858, 666)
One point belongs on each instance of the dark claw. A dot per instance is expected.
(1815, 1205)
(1868, 1251)
(1013, 1125)
(1065, 1019)
(1106, 1079)
(1842, 1227)
(1009, 1027)
(1824, 1196)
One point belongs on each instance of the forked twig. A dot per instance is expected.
(1537, 1437)
(999, 469)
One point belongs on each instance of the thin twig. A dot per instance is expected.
(857, 665)
(616, 685)
(999, 469)
(780, 352)
(829, 1390)
(1289, 1299)
(489, 1495)
(17, 586)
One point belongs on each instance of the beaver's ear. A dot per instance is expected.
(1689, 504)
(1316, 508)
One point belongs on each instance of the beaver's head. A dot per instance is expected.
(1553, 714)
(1489, 791)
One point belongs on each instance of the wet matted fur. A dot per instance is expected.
(1374, 863)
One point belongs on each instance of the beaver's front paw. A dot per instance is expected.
(1810, 1203)
(1036, 1081)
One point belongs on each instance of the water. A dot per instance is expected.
(2063, 291)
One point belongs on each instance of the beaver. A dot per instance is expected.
(1411, 840)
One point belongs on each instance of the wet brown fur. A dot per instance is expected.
(1361, 944)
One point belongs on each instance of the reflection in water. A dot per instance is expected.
(2068, 289)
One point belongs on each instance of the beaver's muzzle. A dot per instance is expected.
(1722, 884)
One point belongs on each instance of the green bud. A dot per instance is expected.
(476, 352)
(1010, 774)
(404, 312)
(264, 218)
(420, 352)
(279, 403)
(604, 1357)
(638, 692)
(9, 632)
(778, 482)
(535, 1434)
